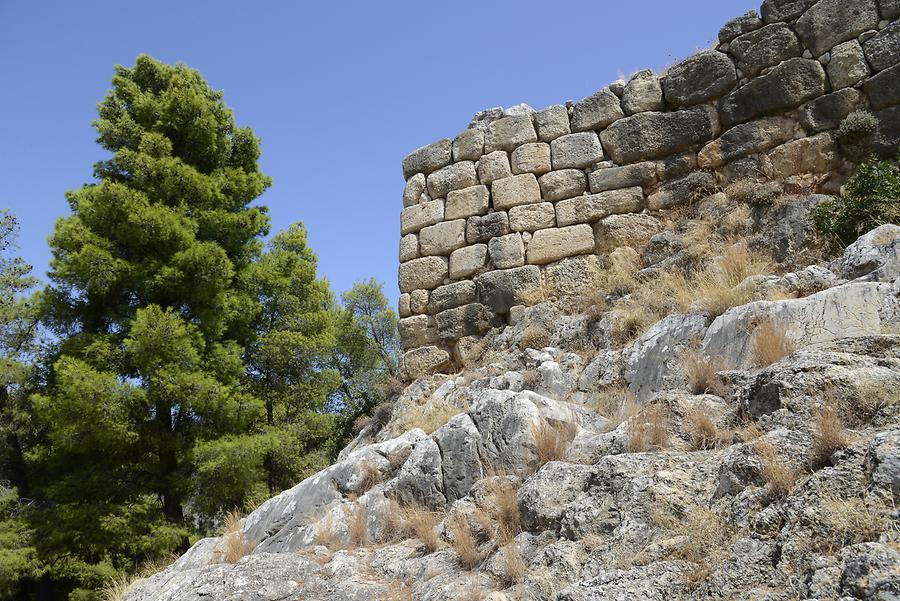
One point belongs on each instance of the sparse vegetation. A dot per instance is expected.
(702, 372)
(513, 565)
(233, 543)
(399, 591)
(751, 192)
(702, 430)
(708, 537)
(828, 436)
(531, 379)
(649, 431)
(770, 343)
(874, 396)
(504, 509)
(358, 526)
(617, 404)
(326, 535)
(464, 544)
(369, 477)
(717, 287)
(429, 417)
(853, 520)
(855, 134)
(779, 478)
(535, 337)
(552, 439)
(420, 522)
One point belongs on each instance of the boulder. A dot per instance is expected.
(827, 112)
(764, 48)
(884, 89)
(648, 136)
(576, 151)
(874, 257)
(890, 9)
(739, 26)
(529, 218)
(469, 145)
(870, 571)
(628, 176)
(573, 277)
(483, 228)
(467, 261)
(847, 66)
(442, 238)
(682, 191)
(493, 166)
(409, 247)
(554, 244)
(784, 10)
(415, 217)
(418, 301)
(451, 296)
(428, 158)
(502, 289)
(515, 190)
(643, 93)
(531, 158)
(461, 466)
(426, 273)
(632, 230)
(596, 111)
(883, 50)
(473, 319)
(482, 119)
(545, 496)
(412, 192)
(565, 183)
(817, 154)
(593, 207)
(419, 330)
(746, 139)
(786, 86)
(827, 23)
(507, 251)
(508, 133)
(452, 177)
(474, 200)
(704, 76)
(552, 122)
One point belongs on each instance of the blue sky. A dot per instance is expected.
(338, 92)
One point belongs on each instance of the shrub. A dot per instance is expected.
(828, 436)
(770, 344)
(871, 197)
(358, 526)
(855, 134)
(535, 337)
(552, 439)
(420, 522)
(464, 544)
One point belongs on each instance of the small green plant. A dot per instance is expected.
(855, 134)
(871, 197)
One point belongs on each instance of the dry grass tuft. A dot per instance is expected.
(504, 509)
(369, 477)
(118, 588)
(875, 396)
(358, 526)
(779, 478)
(420, 522)
(828, 436)
(326, 535)
(552, 439)
(770, 344)
(535, 337)
(708, 538)
(852, 521)
(462, 541)
(398, 591)
(428, 417)
(649, 432)
(717, 286)
(233, 544)
(702, 430)
(513, 564)
(617, 404)
(702, 373)
(531, 379)
(750, 432)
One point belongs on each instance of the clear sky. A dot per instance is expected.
(338, 92)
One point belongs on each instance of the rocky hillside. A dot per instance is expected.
(732, 450)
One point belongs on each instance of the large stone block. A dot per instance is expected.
(529, 218)
(573, 276)
(643, 93)
(827, 23)
(884, 89)
(847, 66)
(817, 154)
(746, 139)
(561, 184)
(412, 192)
(631, 229)
(409, 247)
(428, 158)
(508, 133)
(887, 141)
(426, 273)
(576, 151)
(467, 261)
(469, 145)
(493, 166)
(533, 157)
(784, 10)
(452, 177)
(628, 176)
(699, 78)
(593, 207)
(552, 122)
(473, 319)
(648, 136)
(827, 112)
(507, 251)
(764, 47)
(883, 50)
(553, 244)
(418, 302)
(596, 111)
(442, 238)
(451, 296)
(739, 26)
(414, 218)
(503, 289)
(403, 308)
(786, 86)
(418, 330)
(423, 362)
(890, 9)
(474, 200)
(516, 190)
(483, 228)
(682, 191)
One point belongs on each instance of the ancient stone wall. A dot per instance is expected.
(524, 204)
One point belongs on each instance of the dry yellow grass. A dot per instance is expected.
(708, 538)
(770, 344)
(358, 526)
(428, 417)
(420, 522)
(828, 436)
(750, 432)
(648, 431)
(369, 477)
(398, 591)
(504, 509)
(717, 286)
(119, 587)
(617, 404)
(702, 372)
(513, 564)
(702, 430)
(326, 535)
(874, 396)
(233, 543)
(551, 439)
(462, 541)
(854, 520)
(535, 337)
(779, 478)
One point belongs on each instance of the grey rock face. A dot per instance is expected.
(413, 190)
(628, 176)
(576, 151)
(764, 47)
(874, 257)
(827, 112)
(593, 207)
(452, 177)
(545, 496)
(483, 228)
(473, 319)
(460, 465)
(508, 133)
(699, 78)
(739, 26)
(493, 166)
(553, 244)
(469, 145)
(682, 191)
(428, 158)
(515, 190)
(788, 85)
(561, 184)
(746, 139)
(648, 136)
(643, 93)
(596, 111)
(829, 22)
(451, 296)
(425, 273)
(552, 122)
(784, 10)
(847, 66)
(503, 289)
(884, 88)
(507, 251)
(883, 50)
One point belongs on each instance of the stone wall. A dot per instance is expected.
(523, 204)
